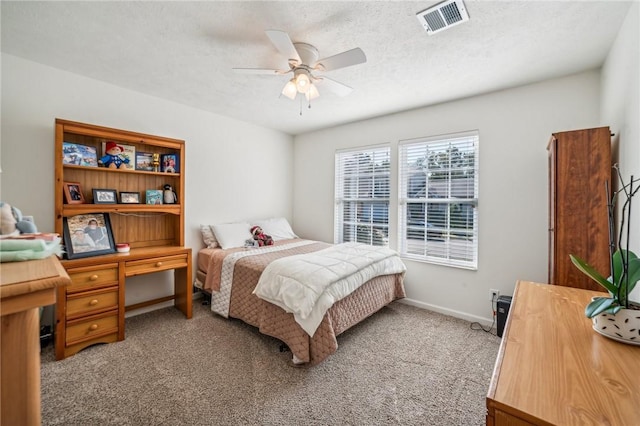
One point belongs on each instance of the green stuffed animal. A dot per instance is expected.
(12, 222)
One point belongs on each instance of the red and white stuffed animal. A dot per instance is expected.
(262, 238)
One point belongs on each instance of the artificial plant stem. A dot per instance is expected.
(626, 267)
(612, 244)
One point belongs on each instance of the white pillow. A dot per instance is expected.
(230, 235)
(208, 237)
(278, 228)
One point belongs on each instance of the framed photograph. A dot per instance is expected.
(129, 197)
(170, 163)
(154, 196)
(79, 155)
(105, 196)
(73, 193)
(87, 235)
(144, 161)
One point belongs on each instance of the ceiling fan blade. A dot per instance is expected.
(333, 86)
(341, 60)
(283, 43)
(260, 71)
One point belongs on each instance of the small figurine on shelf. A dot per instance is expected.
(156, 162)
(169, 195)
(113, 157)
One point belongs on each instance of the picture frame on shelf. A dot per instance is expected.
(144, 161)
(87, 235)
(129, 197)
(170, 163)
(74, 154)
(128, 152)
(73, 193)
(105, 196)
(153, 196)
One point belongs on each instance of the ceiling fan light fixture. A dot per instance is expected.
(303, 61)
(312, 93)
(303, 82)
(290, 90)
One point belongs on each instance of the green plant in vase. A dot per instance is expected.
(625, 271)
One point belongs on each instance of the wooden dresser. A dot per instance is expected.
(553, 369)
(24, 287)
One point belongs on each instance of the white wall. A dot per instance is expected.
(225, 178)
(621, 108)
(224, 183)
(515, 126)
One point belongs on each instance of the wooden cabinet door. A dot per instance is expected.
(580, 170)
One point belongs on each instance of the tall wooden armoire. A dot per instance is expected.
(579, 170)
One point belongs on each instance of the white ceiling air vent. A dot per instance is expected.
(443, 16)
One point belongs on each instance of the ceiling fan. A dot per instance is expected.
(303, 61)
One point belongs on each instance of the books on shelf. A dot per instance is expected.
(153, 196)
(79, 155)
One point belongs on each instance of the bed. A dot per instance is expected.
(231, 276)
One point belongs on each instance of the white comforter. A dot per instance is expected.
(308, 285)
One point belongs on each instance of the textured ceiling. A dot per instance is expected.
(185, 51)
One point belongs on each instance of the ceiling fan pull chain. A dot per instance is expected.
(300, 105)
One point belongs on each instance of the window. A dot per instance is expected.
(439, 198)
(362, 196)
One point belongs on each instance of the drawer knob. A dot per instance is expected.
(93, 327)
(158, 264)
(93, 277)
(93, 302)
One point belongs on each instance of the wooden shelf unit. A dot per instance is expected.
(91, 310)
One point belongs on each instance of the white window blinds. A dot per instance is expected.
(438, 198)
(362, 196)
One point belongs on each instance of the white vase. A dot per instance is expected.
(623, 326)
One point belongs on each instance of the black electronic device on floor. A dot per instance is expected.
(503, 305)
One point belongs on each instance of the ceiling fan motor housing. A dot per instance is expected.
(308, 54)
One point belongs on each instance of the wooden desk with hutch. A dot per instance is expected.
(91, 309)
(553, 369)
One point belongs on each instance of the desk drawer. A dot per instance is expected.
(146, 266)
(95, 301)
(98, 325)
(92, 277)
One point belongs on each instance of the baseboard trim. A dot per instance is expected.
(445, 311)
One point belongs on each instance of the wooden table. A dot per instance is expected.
(24, 287)
(553, 369)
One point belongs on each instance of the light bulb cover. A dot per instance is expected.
(303, 83)
(312, 93)
(290, 90)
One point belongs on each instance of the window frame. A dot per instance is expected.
(446, 241)
(373, 225)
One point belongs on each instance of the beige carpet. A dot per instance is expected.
(402, 366)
